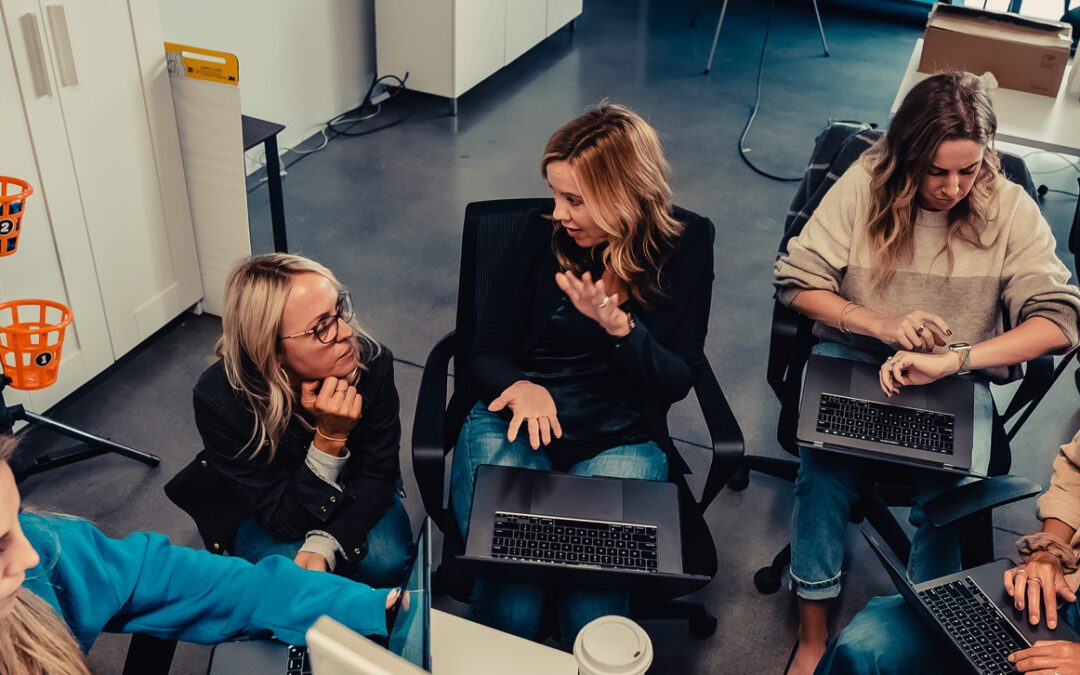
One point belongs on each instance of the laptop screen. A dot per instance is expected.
(410, 636)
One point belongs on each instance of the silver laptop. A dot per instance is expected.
(552, 528)
(844, 410)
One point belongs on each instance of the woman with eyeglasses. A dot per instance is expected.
(299, 418)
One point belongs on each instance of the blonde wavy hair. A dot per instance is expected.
(945, 107)
(250, 342)
(34, 640)
(620, 166)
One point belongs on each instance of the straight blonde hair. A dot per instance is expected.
(945, 107)
(250, 342)
(620, 165)
(34, 640)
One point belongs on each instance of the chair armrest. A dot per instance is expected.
(784, 335)
(727, 437)
(428, 448)
(1038, 378)
(982, 495)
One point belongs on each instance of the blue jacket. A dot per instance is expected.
(143, 584)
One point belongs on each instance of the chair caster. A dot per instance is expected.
(702, 627)
(767, 580)
(739, 481)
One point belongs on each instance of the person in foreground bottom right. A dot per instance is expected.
(887, 636)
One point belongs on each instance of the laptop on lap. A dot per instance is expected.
(552, 528)
(971, 613)
(844, 409)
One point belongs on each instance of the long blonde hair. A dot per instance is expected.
(944, 107)
(249, 346)
(34, 640)
(617, 158)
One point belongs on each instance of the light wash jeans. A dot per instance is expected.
(390, 548)
(887, 637)
(827, 486)
(517, 607)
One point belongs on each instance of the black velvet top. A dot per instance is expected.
(596, 399)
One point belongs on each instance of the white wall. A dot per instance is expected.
(301, 61)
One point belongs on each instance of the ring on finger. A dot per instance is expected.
(605, 302)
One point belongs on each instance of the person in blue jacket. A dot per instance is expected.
(63, 582)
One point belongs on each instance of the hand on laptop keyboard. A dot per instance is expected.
(1048, 656)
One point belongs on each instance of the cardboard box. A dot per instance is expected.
(1023, 53)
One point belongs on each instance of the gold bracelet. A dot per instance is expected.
(331, 438)
(851, 306)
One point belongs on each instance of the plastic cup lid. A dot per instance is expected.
(613, 645)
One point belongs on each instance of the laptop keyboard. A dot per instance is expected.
(882, 423)
(569, 541)
(299, 663)
(975, 623)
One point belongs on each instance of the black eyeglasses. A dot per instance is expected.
(326, 331)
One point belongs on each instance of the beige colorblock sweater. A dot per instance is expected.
(1019, 273)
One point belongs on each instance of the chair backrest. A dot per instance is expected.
(491, 230)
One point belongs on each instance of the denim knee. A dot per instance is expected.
(511, 607)
(579, 606)
(884, 638)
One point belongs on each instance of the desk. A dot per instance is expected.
(1030, 120)
(258, 131)
(458, 647)
(462, 647)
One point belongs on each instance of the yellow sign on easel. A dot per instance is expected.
(202, 64)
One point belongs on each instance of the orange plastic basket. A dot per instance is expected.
(13, 194)
(31, 336)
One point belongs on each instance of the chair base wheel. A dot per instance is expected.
(767, 580)
(703, 627)
(741, 480)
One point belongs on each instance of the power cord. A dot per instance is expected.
(362, 113)
(757, 102)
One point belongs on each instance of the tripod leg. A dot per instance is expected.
(716, 36)
(90, 439)
(821, 28)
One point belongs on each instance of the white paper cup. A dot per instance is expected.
(613, 645)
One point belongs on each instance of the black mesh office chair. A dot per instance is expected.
(490, 231)
(791, 341)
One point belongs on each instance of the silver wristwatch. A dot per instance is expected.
(963, 349)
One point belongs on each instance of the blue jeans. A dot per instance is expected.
(390, 547)
(517, 607)
(827, 486)
(887, 637)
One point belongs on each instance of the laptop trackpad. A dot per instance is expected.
(580, 498)
(865, 384)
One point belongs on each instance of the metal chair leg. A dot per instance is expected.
(716, 37)
(821, 28)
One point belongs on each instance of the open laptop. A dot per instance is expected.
(843, 409)
(330, 652)
(971, 612)
(553, 528)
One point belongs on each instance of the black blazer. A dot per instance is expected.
(663, 352)
(222, 487)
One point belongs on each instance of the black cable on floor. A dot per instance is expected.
(757, 103)
(406, 362)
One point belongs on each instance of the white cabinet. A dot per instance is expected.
(450, 46)
(88, 121)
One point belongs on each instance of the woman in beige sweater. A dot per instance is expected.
(887, 637)
(915, 260)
